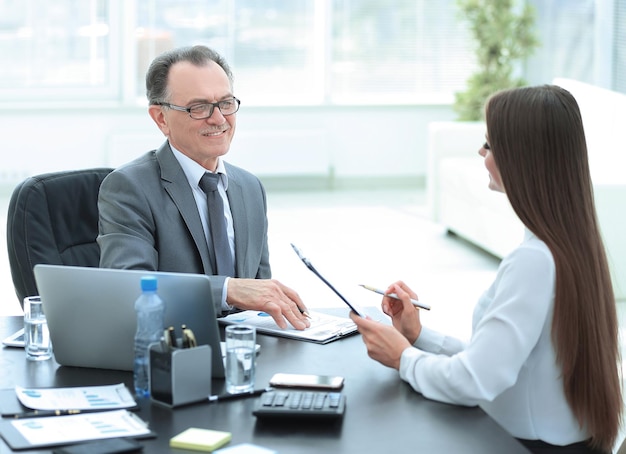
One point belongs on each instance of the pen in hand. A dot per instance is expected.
(303, 312)
(393, 295)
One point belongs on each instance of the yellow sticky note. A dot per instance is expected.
(200, 439)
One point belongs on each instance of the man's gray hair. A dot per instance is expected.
(156, 77)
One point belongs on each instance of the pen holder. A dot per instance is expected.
(181, 375)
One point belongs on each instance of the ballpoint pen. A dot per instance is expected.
(303, 312)
(170, 337)
(225, 397)
(393, 295)
(189, 339)
(44, 413)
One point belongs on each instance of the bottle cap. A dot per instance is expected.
(148, 283)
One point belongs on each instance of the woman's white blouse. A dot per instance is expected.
(509, 366)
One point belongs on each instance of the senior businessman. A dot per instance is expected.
(182, 208)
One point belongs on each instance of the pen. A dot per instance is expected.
(393, 295)
(165, 346)
(253, 393)
(43, 413)
(189, 339)
(303, 312)
(170, 337)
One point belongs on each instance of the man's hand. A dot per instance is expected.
(270, 296)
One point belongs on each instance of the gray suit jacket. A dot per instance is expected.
(149, 221)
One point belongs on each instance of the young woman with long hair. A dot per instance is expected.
(543, 358)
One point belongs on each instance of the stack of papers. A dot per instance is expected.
(70, 415)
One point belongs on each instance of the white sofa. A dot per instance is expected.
(460, 200)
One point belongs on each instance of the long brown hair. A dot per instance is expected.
(538, 143)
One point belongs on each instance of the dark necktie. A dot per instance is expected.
(217, 224)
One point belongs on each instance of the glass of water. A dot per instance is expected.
(240, 358)
(36, 335)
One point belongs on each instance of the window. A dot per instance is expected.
(271, 45)
(619, 57)
(415, 51)
(320, 51)
(55, 49)
(296, 52)
(566, 35)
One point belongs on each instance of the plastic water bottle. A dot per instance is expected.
(150, 312)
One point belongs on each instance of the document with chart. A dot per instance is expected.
(57, 416)
(59, 430)
(105, 397)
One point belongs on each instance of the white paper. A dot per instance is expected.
(80, 398)
(323, 326)
(86, 426)
(244, 448)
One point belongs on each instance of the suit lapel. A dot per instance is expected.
(176, 185)
(240, 222)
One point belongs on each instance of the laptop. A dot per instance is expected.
(92, 320)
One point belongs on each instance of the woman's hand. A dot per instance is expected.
(384, 343)
(404, 316)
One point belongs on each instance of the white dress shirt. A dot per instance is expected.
(509, 365)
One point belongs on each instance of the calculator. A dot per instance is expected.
(300, 404)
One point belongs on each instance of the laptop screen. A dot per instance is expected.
(92, 320)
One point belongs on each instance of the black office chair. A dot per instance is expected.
(53, 219)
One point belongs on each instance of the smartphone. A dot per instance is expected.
(281, 380)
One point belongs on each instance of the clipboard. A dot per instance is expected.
(310, 266)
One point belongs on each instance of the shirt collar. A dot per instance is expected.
(194, 171)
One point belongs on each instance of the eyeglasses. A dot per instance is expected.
(205, 110)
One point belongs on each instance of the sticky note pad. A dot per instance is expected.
(200, 439)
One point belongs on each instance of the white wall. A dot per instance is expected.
(335, 143)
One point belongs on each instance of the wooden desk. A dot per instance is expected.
(383, 414)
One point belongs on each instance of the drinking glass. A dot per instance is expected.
(36, 335)
(240, 358)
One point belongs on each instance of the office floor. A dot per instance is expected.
(357, 237)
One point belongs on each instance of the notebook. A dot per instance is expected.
(92, 320)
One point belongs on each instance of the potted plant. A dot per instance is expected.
(503, 33)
